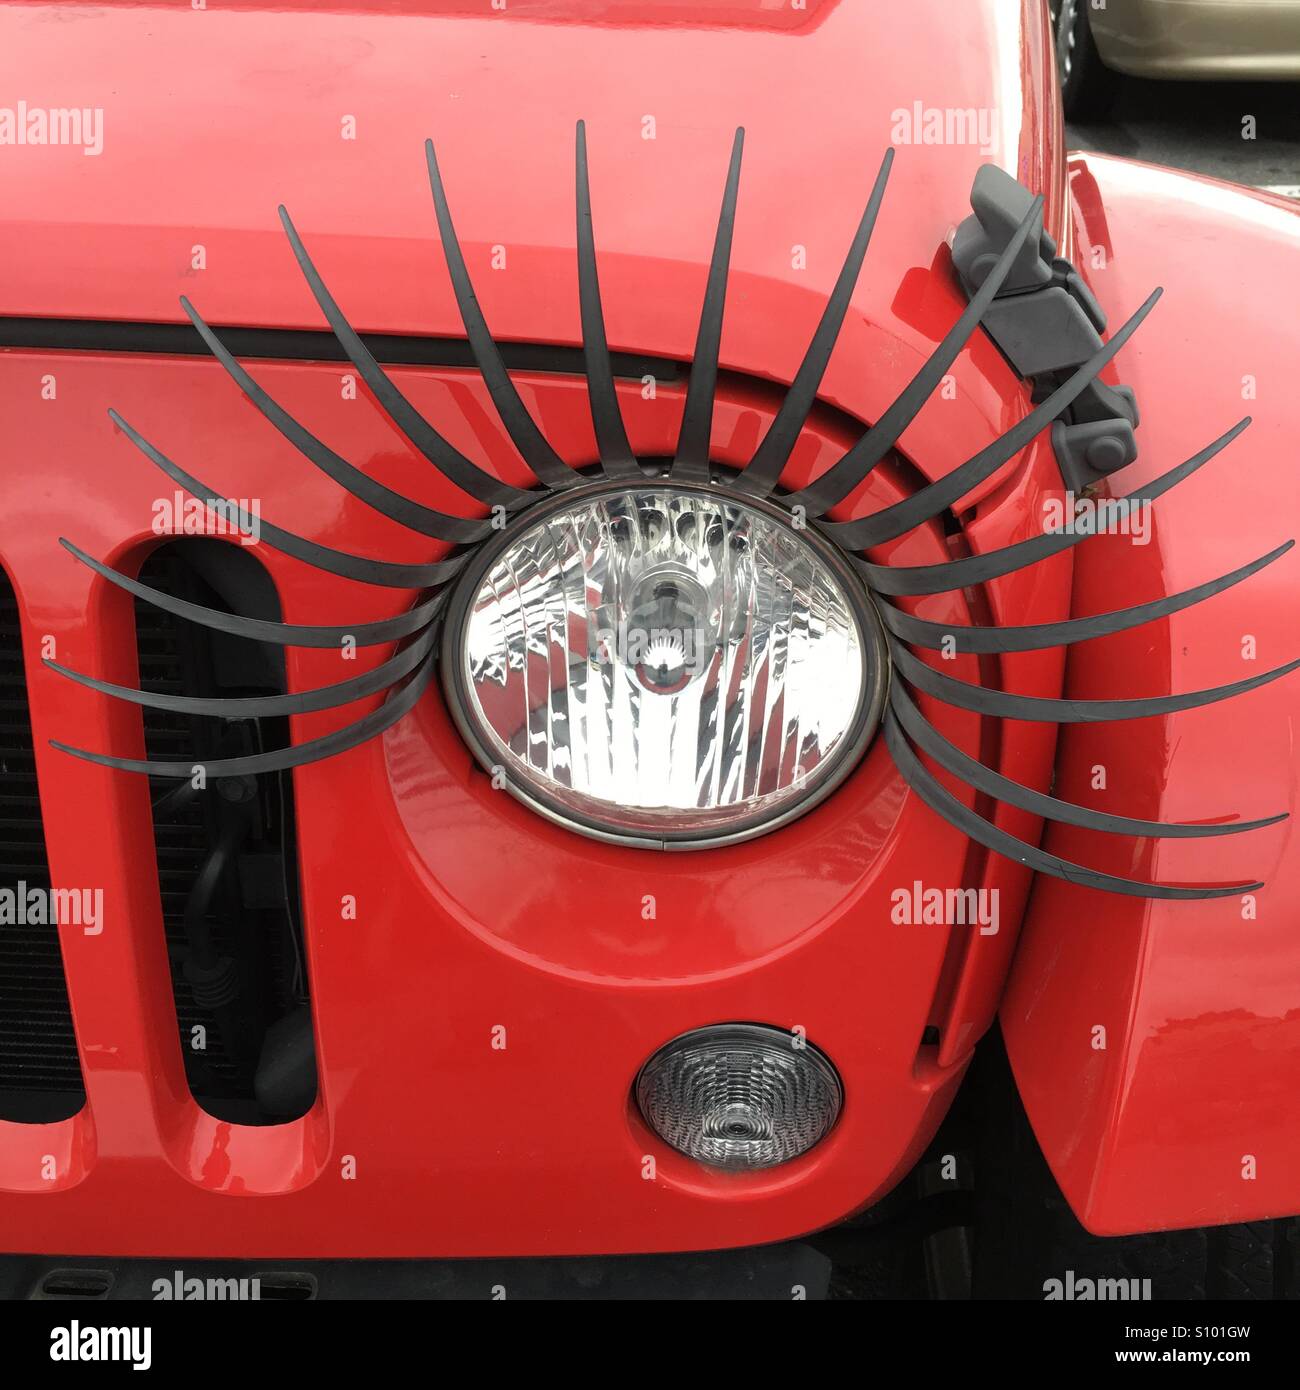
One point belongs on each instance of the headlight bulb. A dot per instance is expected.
(667, 629)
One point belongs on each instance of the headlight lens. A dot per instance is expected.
(739, 1095)
(667, 665)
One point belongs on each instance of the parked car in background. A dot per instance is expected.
(1097, 41)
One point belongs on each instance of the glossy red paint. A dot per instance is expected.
(474, 912)
(460, 1148)
(213, 118)
(1201, 1064)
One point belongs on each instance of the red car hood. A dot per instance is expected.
(211, 118)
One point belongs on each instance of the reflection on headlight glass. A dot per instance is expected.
(663, 661)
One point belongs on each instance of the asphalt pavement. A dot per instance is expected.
(1202, 126)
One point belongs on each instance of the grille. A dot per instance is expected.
(40, 1072)
(181, 840)
(252, 918)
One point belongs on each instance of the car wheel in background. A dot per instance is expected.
(1088, 86)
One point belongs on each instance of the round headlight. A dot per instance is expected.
(739, 1095)
(664, 664)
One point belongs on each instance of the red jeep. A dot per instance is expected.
(624, 629)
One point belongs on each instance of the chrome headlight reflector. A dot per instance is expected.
(666, 665)
(739, 1095)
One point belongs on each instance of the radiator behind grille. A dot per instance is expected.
(253, 918)
(40, 1072)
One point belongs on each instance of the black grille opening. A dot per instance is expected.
(227, 858)
(40, 1071)
(76, 1283)
(287, 1288)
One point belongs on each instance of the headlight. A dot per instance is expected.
(666, 665)
(739, 1095)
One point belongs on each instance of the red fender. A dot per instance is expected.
(1157, 1045)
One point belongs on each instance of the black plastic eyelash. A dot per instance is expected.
(407, 674)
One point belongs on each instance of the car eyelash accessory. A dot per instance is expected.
(681, 656)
